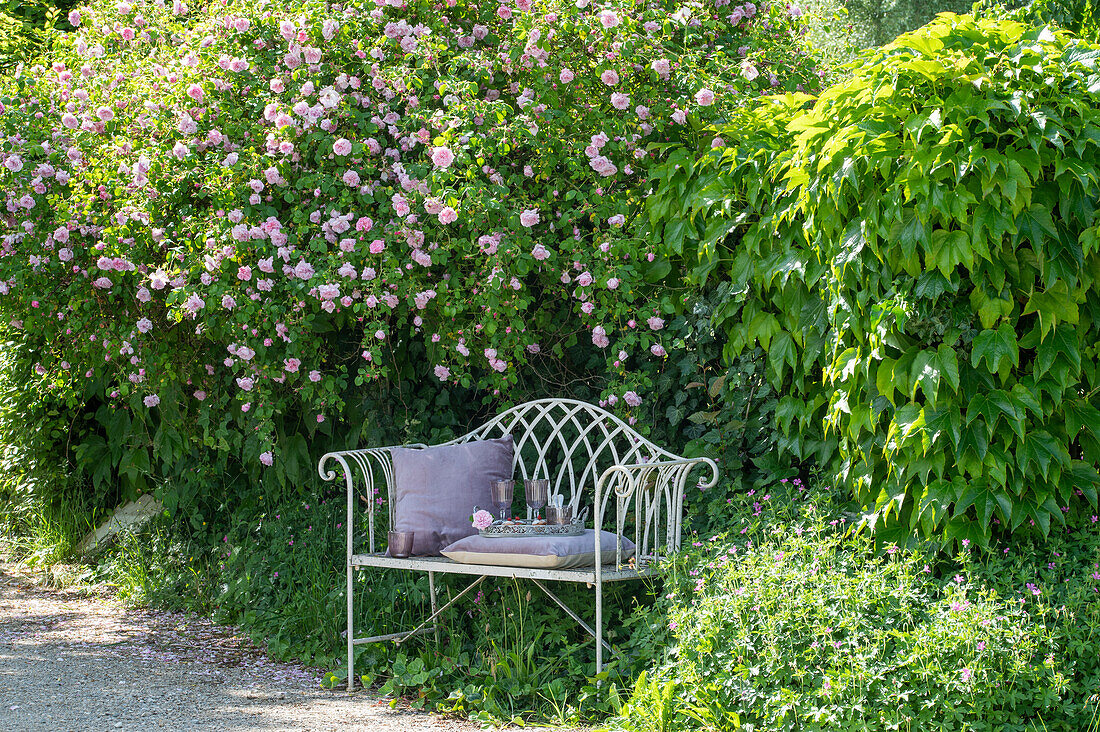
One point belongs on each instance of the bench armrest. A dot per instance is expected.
(654, 493)
(358, 467)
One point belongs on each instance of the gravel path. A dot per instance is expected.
(70, 661)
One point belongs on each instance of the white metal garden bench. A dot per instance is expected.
(590, 456)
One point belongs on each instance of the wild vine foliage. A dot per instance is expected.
(917, 249)
(221, 220)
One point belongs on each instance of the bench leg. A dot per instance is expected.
(599, 627)
(431, 593)
(351, 628)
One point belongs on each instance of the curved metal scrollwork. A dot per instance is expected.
(587, 452)
(364, 462)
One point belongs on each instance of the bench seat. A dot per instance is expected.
(444, 565)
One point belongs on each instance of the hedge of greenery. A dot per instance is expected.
(917, 251)
(230, 231)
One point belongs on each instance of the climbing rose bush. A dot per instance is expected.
(203, 209)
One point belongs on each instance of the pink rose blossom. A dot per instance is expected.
(620, 101)
(304, 270)
(704, 97)
(442, 157)
(151, 401)
(599, 337)
(610, 77)
(529, 217)
(566, 76)
(341, 147)
(267, 458)
(482, 520)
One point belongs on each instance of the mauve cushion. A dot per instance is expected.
(544, 552)
(437, 488)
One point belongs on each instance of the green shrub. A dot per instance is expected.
(240, 227)
(1080, 17)
(797, 625)
(917, 251)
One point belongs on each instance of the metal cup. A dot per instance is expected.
(559, 515)
(401, 544)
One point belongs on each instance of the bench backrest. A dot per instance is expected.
(570, 442)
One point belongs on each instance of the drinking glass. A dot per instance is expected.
(400, 543)
(537, 493)
(502, 496)
(559, 515)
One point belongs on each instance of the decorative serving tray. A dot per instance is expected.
(514, 528)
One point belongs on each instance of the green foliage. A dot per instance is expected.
(707, 407)
(1080, 17)
(794, 625)
(917, 252)
(25, 26)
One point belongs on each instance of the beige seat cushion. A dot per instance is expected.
(540, 552)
